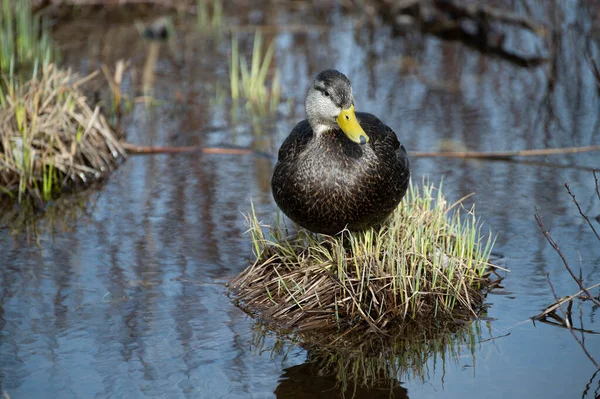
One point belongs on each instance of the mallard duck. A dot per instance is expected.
(339, 170)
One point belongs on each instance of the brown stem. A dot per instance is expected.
(554, 245)
(569, 325)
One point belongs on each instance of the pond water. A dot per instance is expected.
(129, 300)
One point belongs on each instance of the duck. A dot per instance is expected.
(339, 170)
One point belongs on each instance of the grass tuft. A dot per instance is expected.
(50, 138)
(24, 38)
(249, 80)
(426, 266)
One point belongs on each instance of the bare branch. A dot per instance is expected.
(581, 212)
(554, 245)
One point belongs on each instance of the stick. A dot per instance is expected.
(546, 233)
(145, 150)
(569, 326)
(506, 154)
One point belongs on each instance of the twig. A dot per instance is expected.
(546, 233)
(507, 154)
(494, 338)
(569, 326)
(581, 212)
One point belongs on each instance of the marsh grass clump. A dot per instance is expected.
(427, 266)
(249, 81)
(50, 138)
(24, 37)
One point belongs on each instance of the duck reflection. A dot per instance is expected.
(307, 381)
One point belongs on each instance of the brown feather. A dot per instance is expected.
(332, 183)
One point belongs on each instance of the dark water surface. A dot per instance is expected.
(129, 301)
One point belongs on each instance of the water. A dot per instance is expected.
(129, 300)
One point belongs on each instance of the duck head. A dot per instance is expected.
(330, 104)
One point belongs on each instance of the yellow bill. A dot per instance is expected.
(349, 124)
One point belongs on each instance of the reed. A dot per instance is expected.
(24, 37)
(248, 80)
(209, 19)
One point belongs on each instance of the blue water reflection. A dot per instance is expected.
(130, 302)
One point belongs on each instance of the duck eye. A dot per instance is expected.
(326, 93)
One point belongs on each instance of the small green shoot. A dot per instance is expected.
(249, 80)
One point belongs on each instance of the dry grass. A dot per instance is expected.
(427, 266)
(50, 138)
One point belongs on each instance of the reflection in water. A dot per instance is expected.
(27, 219)
(130, 301)
(306, 381)
(368, 363)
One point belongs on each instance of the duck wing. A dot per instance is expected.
(295, 142)
(381, 135)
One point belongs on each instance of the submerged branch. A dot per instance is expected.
(149, 150)
(506, 155)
